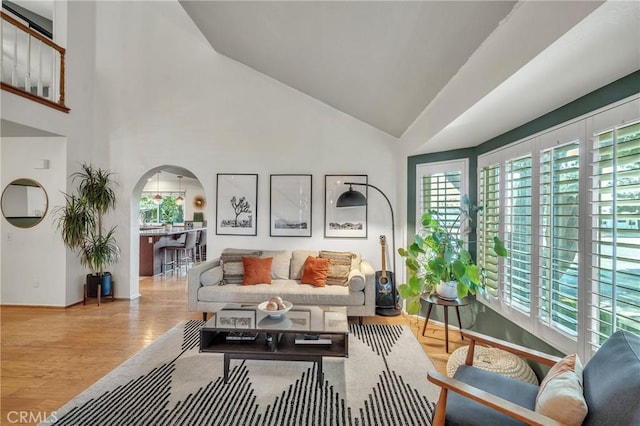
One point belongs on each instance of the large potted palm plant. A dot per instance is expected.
(439, 261)
(80, 222)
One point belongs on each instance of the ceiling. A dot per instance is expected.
(381, 62)
(400, 66)
(437, 75)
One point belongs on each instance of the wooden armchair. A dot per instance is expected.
(611, 381)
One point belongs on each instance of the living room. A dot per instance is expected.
(140, 101)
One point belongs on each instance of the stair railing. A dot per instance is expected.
(32, 66)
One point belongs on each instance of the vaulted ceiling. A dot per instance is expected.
(430, 67)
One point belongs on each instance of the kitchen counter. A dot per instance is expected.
(151, 243)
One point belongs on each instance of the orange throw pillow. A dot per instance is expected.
(315, 271)
(257, 270)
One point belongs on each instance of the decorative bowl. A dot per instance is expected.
(275, 314)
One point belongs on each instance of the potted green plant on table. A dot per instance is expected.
(438, 260)
(80, 222)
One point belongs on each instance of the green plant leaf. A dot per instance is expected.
(465, 257)
(499, 247)
(426, 220)
(402, 252)
(473, 273)
(458, 268)
(413, 265)
(463, 291)
(404, 291)
(414, 306)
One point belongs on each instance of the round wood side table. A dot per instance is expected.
(432, 300)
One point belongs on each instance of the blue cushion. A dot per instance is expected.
(612, 382)
(463, 411)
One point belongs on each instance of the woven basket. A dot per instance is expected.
(495, 360)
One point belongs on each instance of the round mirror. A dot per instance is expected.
(24, 203)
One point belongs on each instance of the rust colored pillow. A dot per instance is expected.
(257, 270)
(315, 271)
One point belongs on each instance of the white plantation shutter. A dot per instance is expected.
(518, 233)
(615, 238)
(441, 192)
(558, 236)
(489, 199)
(440, 186)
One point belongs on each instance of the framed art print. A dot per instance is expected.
(300, 319)
(290, 213)
(344, 222)
(237, 204)
(236, 318)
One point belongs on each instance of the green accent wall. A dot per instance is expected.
(477, 316)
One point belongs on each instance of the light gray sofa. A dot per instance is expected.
(208, 291)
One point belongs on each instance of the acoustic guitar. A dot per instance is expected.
(385, 293)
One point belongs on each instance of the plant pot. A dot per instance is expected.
(106, 284)
(94, 280)
(447, 290)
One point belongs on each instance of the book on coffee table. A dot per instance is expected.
(242, 336)
(313, 339)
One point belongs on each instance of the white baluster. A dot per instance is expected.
(14, 71)
(27, 75)
(40, 44)
(53, 84)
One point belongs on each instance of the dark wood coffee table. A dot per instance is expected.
(244, 332)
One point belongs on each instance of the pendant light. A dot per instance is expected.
(179, 199)
(158, 198)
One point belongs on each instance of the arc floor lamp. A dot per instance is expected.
(353, 198)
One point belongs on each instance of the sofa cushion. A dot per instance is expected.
(212, 276)
(298, 257)
(280, 265)
(315, 271)
(232, 268)
(339, 266)
(289, 290)
(460, 409)
(560, 395)
(256, 270)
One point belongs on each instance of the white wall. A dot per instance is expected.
(76, 128)
(165, 97)
(33, 261)
(162, 96)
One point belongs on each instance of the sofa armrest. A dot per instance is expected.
(369, 285)
(193, 281)
(522, 351)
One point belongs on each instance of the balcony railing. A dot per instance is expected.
(32, 66)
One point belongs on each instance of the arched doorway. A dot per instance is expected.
(167, 201)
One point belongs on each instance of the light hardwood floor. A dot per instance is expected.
(49, 355)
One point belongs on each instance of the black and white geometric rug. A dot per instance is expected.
(382, 382)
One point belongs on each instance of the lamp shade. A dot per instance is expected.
(351, 198)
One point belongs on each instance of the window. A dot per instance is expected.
(489, 198)
(615, 243)
(440, 186)
(567, 205)
(169, 210)
(558, 236)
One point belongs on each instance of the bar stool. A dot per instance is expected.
(183, 253)
(169, 262)
(201, 245)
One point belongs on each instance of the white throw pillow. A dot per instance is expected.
(212, 276)
(561, 395)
